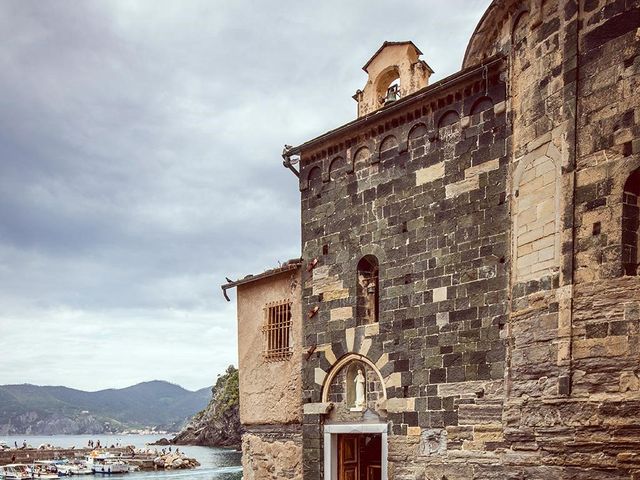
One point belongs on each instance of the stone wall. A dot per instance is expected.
(509, 327)
(29, 455)
(272, 455)
(425, 194)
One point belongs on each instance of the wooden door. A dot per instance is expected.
(348, 457)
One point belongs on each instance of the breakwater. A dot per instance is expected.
(30, 455)
(143, 459)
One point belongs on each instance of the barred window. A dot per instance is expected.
(277, 331)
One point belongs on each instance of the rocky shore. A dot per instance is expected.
(218, 425)
(174, 461)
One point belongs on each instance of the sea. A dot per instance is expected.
(215, 463)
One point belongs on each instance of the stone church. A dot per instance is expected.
(467, 301)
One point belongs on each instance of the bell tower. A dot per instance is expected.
(394, 71)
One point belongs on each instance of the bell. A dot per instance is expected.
(392, 94)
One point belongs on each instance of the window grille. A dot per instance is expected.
(277, 331)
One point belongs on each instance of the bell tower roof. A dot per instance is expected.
(390, 44)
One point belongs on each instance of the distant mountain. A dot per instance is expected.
(32, 409)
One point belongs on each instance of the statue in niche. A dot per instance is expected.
(367, 303)
(360, 400)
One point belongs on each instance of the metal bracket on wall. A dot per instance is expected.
(312, 264)
(312, 349)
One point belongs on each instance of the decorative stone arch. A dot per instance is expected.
(388, 143)
(372, 249)
(417, 136)
(518, 16)
(336, 167)
(486, 38)
(388, 148)
(536, 210)
(448, 118)
(343, 362)
(314, 174)
(384, 80)
(630, 224)
(362, 156)
(481, 104)
(417, 130)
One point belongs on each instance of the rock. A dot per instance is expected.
(162, 441)
(218, 425)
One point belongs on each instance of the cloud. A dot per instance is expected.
(140, 164)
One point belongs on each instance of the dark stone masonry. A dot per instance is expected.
(472, 246)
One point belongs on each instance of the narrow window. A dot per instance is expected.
(631, 224)
(277, 331)
(368, 288)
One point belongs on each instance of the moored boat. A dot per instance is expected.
(44, 470)
(106, 463)
(15, 471)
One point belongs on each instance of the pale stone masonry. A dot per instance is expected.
(270, 388)
(496, 212)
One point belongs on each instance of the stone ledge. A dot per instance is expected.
(317, 408)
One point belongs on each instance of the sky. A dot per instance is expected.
(140, 165)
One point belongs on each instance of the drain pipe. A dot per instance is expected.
(286, 159)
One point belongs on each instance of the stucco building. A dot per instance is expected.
(471, 246)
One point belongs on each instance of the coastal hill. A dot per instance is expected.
(217, 425)
(45, 410)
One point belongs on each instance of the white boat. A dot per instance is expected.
(80, 468)
(44, 470)
(106, 463)
(15, 471)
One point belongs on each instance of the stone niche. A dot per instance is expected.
(342, 393)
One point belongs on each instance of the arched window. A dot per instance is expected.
(631, 224)
(368, 290)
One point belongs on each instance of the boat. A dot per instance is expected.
(80, 467)
(15, 471)
(45, 470)
(106, 463)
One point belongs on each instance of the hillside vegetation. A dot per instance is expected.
(218, 425)
(32, 409)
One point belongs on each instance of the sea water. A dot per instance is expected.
(215, 463)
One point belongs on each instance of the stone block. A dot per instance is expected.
(317, 408)
(429, 174)
(439, 294)
(341, 313)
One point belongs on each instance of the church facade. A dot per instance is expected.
(469, 298)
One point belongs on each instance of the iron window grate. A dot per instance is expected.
(277, 331)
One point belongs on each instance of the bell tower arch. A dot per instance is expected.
(394, 71)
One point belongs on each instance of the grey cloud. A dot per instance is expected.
(140, 163)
